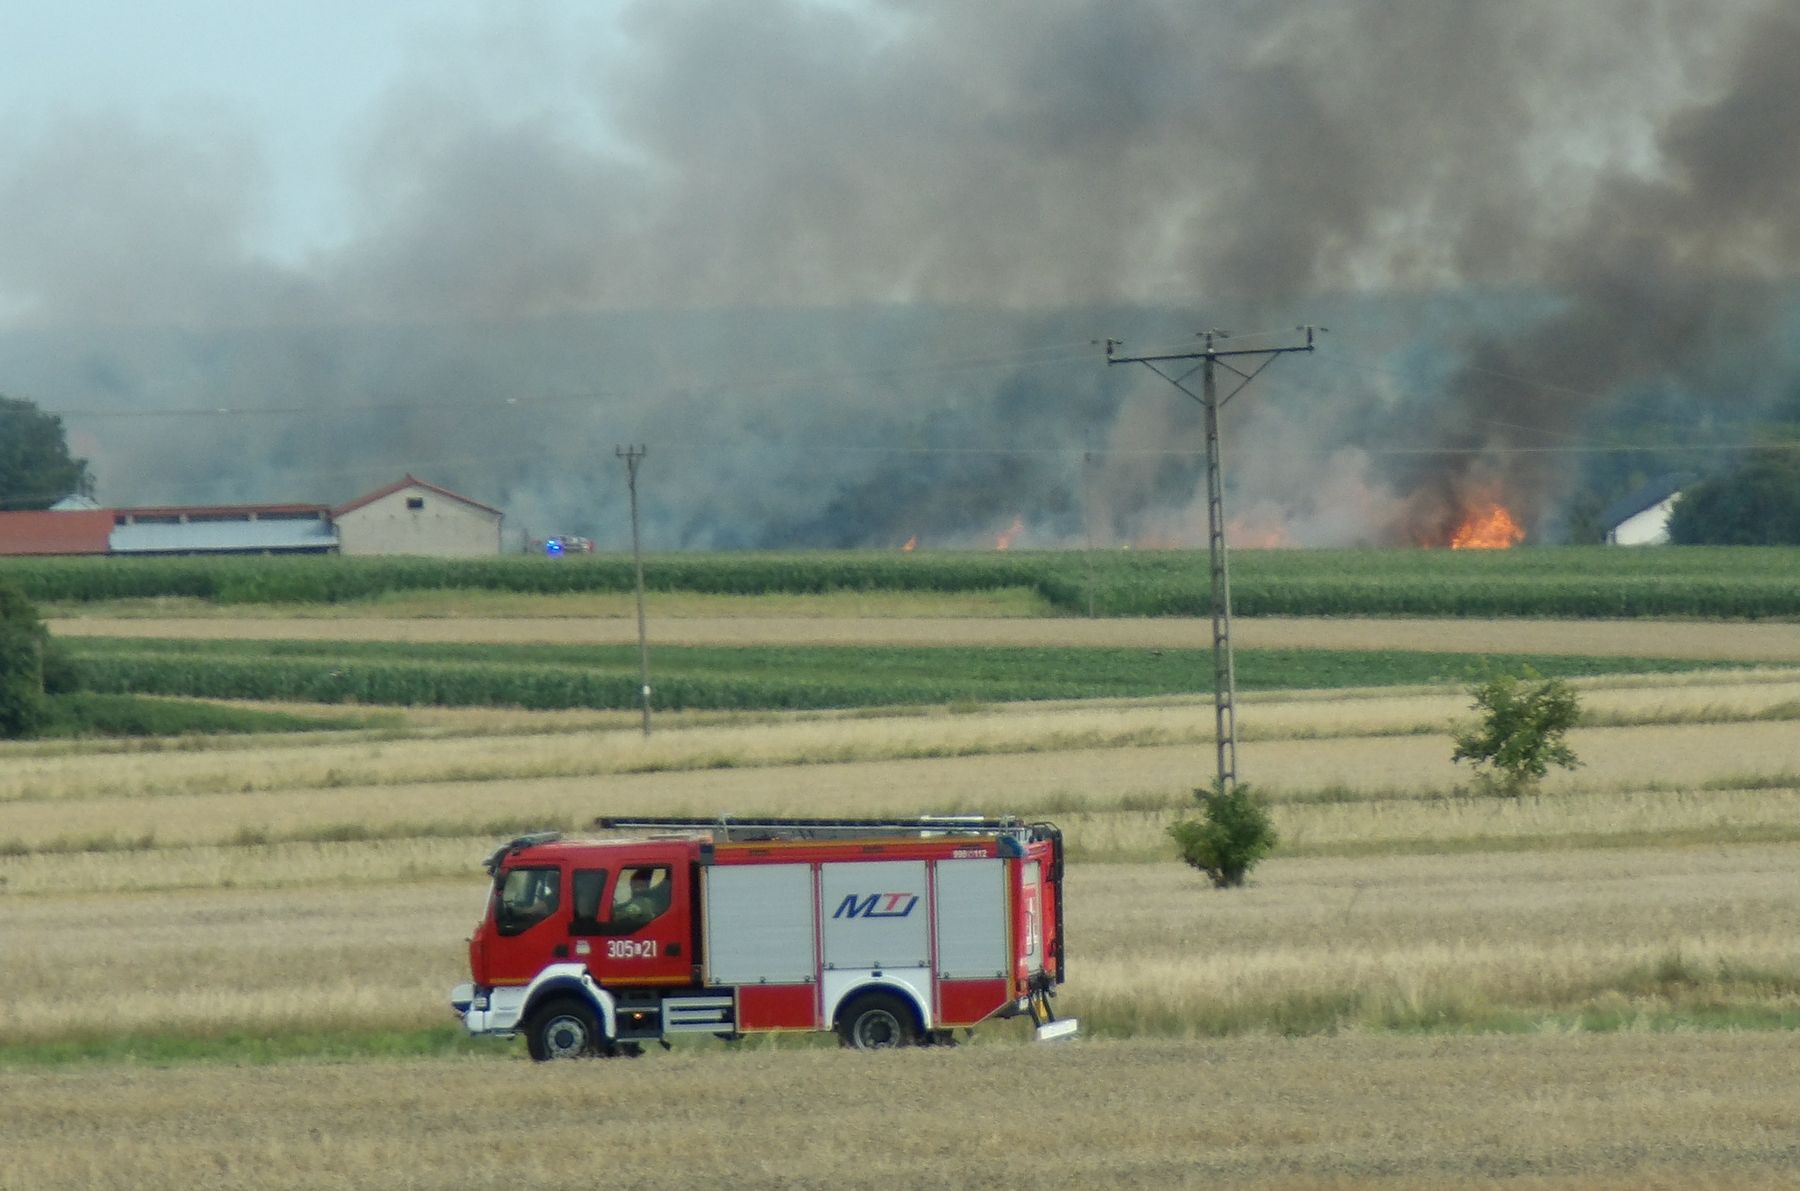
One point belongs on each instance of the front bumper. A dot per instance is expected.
(488, 1012)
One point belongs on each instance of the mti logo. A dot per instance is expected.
(877, 905)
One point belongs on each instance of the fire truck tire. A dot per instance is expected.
(564, 1028)
(876, 1021)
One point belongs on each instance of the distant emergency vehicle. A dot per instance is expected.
(557, 547)
(890, 932)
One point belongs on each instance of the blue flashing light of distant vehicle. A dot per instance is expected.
(553, 547)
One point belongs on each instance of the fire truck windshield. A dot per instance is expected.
(524, 897)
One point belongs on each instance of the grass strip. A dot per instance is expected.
(242, 1049)
(1671, 992)
(1310, 1014)
(1699, 1008)
(1579, 841)
(84, 714)
(259, 837)
(1054, 807)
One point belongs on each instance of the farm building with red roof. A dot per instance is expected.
(409, 516)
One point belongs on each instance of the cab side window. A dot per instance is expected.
(525, 897)
(640, 897)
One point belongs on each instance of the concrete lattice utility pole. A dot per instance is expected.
(1210, 358)
(632, 456)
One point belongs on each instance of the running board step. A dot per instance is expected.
(699, 1014)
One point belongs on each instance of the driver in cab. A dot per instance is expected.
(646, 897)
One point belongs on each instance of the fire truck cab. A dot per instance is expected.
(890, 932)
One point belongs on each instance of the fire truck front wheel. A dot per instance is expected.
(876, 1021)
(563, 1029)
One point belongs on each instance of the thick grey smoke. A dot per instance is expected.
(838, 264)
(1673, 277)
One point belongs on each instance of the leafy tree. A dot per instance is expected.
(23, 643)
(1758, 504)
(1232, 836)
(1521, 732)
(36, 469)
(1584, 522)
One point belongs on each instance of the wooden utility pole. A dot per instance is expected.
(1211, 358)
(631, 456)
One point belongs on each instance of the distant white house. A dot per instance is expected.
(77, 502)
(411, 516)
(1642, 518)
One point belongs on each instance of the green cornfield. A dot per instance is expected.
(750, 677)
(1732, 582)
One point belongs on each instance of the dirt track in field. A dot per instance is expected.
(1773, 642)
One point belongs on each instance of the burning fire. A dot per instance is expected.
(1004, 539)
(1255, 534)
(912, 544)
(1492, 528)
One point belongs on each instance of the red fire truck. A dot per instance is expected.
(890, 932)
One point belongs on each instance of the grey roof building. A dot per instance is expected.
(224, 529)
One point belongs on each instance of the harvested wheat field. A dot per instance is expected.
(1423, 987)
(1542, 1111)
(333, 938)
(130, 800)
(464, 745)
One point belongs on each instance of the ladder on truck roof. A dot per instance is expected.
(725, 829)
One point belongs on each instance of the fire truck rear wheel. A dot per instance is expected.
(563, 1029)
(876, 1021)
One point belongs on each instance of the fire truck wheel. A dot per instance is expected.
(562, 1029)
(876, 1021)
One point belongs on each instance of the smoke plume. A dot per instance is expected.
(838, 266)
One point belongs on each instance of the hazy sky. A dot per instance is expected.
(302, 81)
(839, 263)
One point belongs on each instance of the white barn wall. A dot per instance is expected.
(441, 526)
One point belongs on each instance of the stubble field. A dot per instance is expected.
(1621, 1112)
(1595, 987)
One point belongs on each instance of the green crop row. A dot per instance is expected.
(543, 677)
(334, 579)
(1561, 596)
(1739, 582)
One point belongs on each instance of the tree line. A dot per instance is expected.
(1754, 503)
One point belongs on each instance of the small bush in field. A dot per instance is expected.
(1521, 733)
(1233, 833)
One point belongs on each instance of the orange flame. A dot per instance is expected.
(912, 544)
(1492, 528)
(1255, 535)
(1004, 539)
